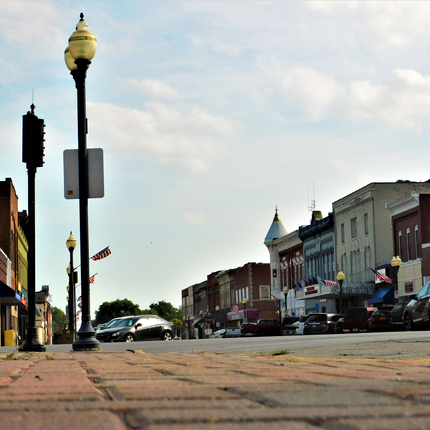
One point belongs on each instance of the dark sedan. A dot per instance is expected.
(397, 316)
(136, 328)
(381, 319)
(417, 311)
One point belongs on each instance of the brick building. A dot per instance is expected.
(12, 256)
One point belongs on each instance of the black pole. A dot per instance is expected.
(341, 297)
(285, 303)
(72, 296)
(32, 342)
(86, 339)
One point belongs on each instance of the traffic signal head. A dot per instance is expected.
(33, 140)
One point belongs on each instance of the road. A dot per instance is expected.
(384, 345)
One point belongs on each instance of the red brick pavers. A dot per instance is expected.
(126, 390)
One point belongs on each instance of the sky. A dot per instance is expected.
(210, 115)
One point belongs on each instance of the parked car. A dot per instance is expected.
(218, 334)
(301, 327)
(323, 323)
(290, 328)
(381, 318)
(289, 320)
(397, 316)
(136, 328)
(266, 327)
(233, 332)
(357, 319)
(417, 311)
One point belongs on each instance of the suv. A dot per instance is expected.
(323, 323)
(136, 328)
(357, 319)
(417, 311)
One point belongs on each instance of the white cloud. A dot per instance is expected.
(194, 140)
(217, 45)
(402, 101)
(35, 26)
(153, 88)
(197, 218)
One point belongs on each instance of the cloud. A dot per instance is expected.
(216, 45)
(193, 140)
(402, 101)
(34, 26)
(153, 88)
(197, 218)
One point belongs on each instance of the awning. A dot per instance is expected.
(196, 323)
(10, 297)
(383, 295)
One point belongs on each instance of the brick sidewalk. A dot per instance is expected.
(126, 390)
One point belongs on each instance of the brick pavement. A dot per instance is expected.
(134, 390)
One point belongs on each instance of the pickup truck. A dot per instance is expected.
(262, 328)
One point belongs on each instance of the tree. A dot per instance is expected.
(119, 308)
(59, 319)
(166, 310)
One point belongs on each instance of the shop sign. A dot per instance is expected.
(311, 290)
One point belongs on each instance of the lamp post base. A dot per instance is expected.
(32, 344)
(86, 340)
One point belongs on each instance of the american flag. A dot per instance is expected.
(381, 277)
(329, 283)
(102, 254)
(92, 280)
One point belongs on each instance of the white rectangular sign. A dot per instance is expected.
(95, 173)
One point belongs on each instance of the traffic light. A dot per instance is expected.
(33, 140)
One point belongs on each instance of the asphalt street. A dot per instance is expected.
(389, 345)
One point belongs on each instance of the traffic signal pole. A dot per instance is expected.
(33, 156)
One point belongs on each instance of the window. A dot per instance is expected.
(342, 232)
(366, 224)
(353, 228)
(417, 248)
(408, 243)
(264, 292)
(400, 246)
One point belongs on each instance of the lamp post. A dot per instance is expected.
(216, 316)
(396, 262)
(244, 302)
(340, 278)
(285, 291)
(78, 55)
(71, 245)
(188, 326)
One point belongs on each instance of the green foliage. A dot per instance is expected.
(179, 325)
(118, 308)
(59, 319)
(166, 310)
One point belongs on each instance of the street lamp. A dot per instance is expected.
(285, 291)
(71, 245)
(340, 278)
(396, 262)
(78, 55)
(216, 316)
(201, 324)
(244, 302)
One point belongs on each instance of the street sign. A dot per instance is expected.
(209, 320)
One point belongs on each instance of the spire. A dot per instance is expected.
(276, 230)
